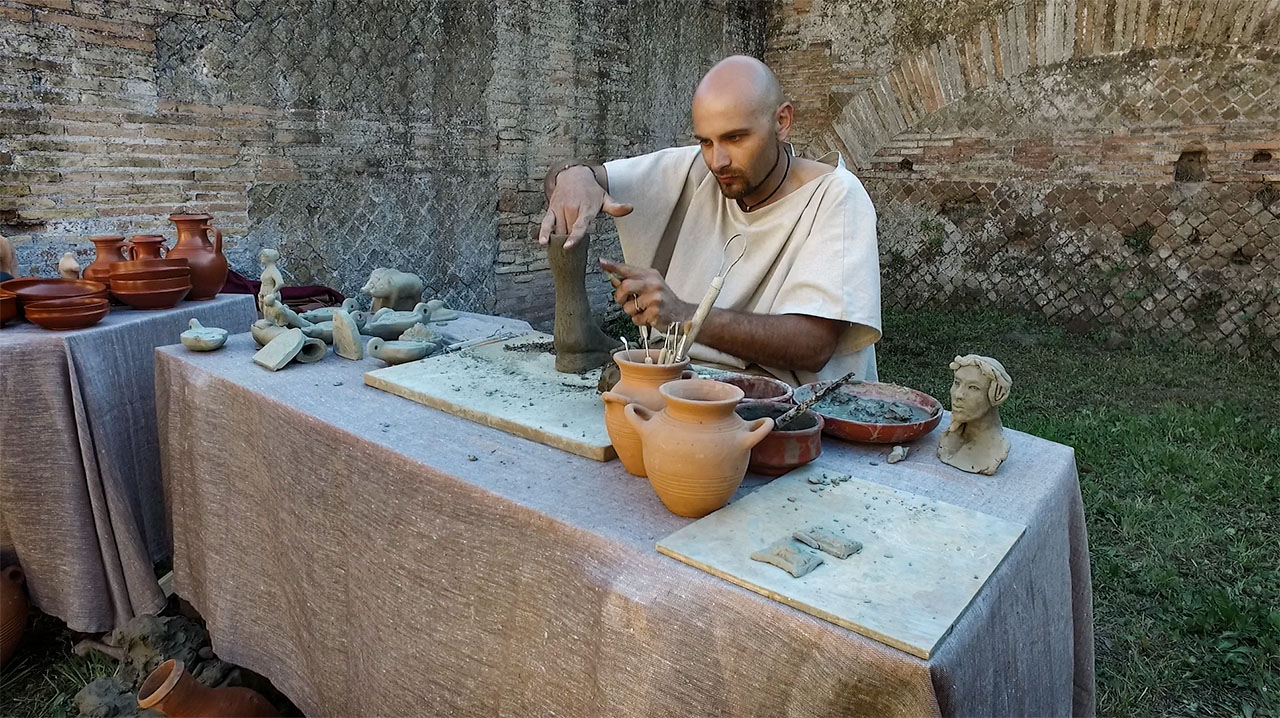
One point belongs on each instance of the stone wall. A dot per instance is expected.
(406, 133)
(1114, 164)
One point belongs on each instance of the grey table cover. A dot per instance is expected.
(372, 556)
(81, 501)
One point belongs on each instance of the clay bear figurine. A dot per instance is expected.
(400, 291)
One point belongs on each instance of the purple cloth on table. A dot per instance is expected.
(81, 501)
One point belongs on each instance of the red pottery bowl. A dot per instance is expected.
(870, 432)
(154, 300)
(143, 265)
(34, 289)
(148, 285)
(143, 274)
(782, 450)
(8, 307)
(757, 388)
(64, 314)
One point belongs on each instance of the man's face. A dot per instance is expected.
(739, 144)
(969, 401)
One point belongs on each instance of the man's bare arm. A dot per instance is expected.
(575, 195)
(787, 341)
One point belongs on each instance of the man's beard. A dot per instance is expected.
(742, 189)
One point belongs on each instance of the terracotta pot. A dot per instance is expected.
(149, 285)
(758, 388)
(696, 450)
(145, 246)
(782, 451)
(172, 691)
(164, 299)
(109, 248)
(639, 384)
(8, 307)
(13, 611)
(208, 266)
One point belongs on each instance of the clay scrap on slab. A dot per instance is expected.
(828, 541)
(790, 557)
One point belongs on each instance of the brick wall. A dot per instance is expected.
(1114, 164)
(405, 133)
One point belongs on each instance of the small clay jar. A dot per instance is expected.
(172, 691)
(145, 246)
(13, 611)
(639, 385)
(696, 450)
(109, 248)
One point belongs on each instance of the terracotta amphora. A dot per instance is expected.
(696, 450)
(639, 384)
(144, 246)
(174, 692)
(208, 266)
(110, 248)
(13, 611)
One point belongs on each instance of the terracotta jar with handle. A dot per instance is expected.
(172, 691)
(109, 248)
(696, 450)
(208, 266)
(145, 246)
(13, 611)
(639, 385)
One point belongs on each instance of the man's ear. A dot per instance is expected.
(786, 113)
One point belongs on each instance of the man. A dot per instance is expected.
(804, 301)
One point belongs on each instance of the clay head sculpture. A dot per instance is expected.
(974, 441)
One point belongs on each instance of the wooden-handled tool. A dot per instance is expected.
(708, 299)
(807, 404)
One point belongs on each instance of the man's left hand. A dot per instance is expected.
(644, 295)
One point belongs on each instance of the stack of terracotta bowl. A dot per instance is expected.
(8, 307)
(151, 283)
(59, 303)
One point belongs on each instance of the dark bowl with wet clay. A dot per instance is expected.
(757, 388)
(783, 449)
(874, 413)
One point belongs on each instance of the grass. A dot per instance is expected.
(1179, 457)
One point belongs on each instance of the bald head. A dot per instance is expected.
(739, 83)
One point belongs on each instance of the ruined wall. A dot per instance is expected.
(1114, 164)
(407, 133)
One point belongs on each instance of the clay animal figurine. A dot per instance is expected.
(280, 313)
(325, 314)
(392, 288)
(397, 352)
(580, 343)
(68, 267)
(200, 338)
(975, 442)
(438, 313)
(271, 278)
(389, 324)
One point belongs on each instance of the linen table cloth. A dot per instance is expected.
(80, 490)
(373, 556)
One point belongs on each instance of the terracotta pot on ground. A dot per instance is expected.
(13, 611)
(208, 266)
(639, 384)
(696, 450)
(109, 248)
(783, 450)
(172, 691)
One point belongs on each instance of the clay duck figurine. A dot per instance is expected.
(325, 314)
(388, 323)
(438, 312)
(398, 352)
(200, 338)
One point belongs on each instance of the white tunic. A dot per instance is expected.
(811, 252)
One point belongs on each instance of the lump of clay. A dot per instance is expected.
(898, 454)
(419, 333)
(788, 556)
(394, 289)
(580, 343)
(974, 442)
(200, 338)
(828, 541)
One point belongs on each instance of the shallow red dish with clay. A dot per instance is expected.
(66, 314)
(926, 411)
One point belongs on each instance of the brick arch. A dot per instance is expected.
(1032, 35)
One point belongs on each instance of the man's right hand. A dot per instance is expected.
(575, 200)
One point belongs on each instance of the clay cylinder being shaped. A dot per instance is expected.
(13, 611)
(172, 691)
(696, 449)
(639, 385)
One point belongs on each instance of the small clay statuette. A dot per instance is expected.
(68, 267)
(271, 278)
(200, 338)
(789, 556)
(391, 288)
(580, 344)
(974, 442)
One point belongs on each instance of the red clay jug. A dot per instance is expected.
(208, 266)
(145, 246)
(696, 450)
(13, 611)
(172, 691)
(639, 384)
(109, 248)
